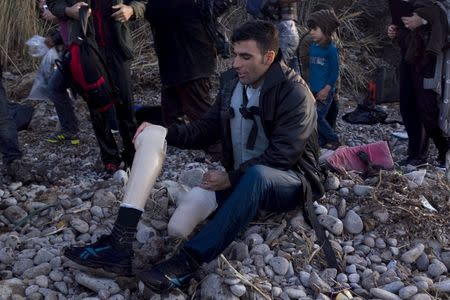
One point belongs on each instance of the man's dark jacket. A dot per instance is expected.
(420, 46)
(121, 31)
(184, 48)
(289, 119)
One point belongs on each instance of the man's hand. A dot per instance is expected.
(140, 129)
(215, 181)
(123, 12)
(323, 93)
(73, 11)
(48, 16)
(392, 31)
(412, 22)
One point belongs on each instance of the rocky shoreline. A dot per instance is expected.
(390, 245)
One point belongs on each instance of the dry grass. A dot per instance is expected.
(19, 21)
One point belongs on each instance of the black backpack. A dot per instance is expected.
(84, 67)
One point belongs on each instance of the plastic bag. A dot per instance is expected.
(347, 158)
(40, 90)
(36, 46)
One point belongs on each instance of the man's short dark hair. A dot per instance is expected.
(264, 33)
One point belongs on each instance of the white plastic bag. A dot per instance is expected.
(40, 90)
(36, 46)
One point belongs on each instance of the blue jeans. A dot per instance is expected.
(63, 103)
(326, 132)
(289, 41)
(9, 145)
(261, 187)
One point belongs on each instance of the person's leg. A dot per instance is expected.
(108, 148)
(120, 71)
(64, 109)
(326, 133)
(289, 41)
(171, 107)
(114, 252)
(417, 138)
(429, 115)
(195, 97)
(9, 144)
(333, 112)
(260, 187)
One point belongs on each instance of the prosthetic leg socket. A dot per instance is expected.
(194, 207)
(150, 153)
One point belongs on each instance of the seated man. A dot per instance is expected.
(266, 118)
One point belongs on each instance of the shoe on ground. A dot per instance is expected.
(102, 254)
(415, 162)
(19, 170)
(175, 272)
(63, 137)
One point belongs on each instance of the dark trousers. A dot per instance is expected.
(9, 145)
(333, 112)
(420, 113)
(260, 187)
(63, 103)
(120, 73)
(190, 98)
(326, 132)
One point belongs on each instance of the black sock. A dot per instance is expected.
(125, 227)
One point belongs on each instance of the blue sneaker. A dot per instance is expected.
(175, 272)
(102, 254)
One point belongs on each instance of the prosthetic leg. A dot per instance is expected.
(114, 252)
(150, 153)
(194, 207)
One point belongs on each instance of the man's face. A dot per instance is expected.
(250, 63)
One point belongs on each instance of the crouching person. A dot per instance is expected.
(265, 117)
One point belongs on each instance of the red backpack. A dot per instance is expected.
(84, 67)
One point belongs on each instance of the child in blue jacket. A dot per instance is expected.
(323, 71)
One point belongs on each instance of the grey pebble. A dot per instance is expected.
(407, 292)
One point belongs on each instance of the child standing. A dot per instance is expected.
(323, 71)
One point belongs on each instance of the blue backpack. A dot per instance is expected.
(255, 7)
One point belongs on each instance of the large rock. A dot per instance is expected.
(43, 256)
(280, 265)
(382, 294)
(442, 287)
(362, 190)
(11, 287)
(353, 222)
(14, 213)
(97, 284)
(79, 225)
(42, 269)
(104, 198)
(213, 288)
(192, 177)
(412, 255)
(334, 225)
(318, 284)
(144, 233)
(22, 265)
(437, 268)
(331, 183)
(7, 255)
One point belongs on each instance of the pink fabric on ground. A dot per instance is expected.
(346, 158)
